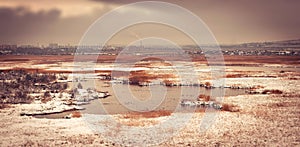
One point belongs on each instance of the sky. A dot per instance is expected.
(66, 21)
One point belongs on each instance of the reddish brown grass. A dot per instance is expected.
(137, 77)
(150, 114)
(237, 60)
(201, 110)
(257, 87)
(293, 78)
(46, 99)
(230, 108)
(204, 97)
(76, 114)
(207, 84)
(142, 118)
(235, 75)
(274, 59)
(272, 91)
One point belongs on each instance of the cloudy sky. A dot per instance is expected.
(65, 21)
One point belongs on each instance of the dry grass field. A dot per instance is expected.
(270, 117)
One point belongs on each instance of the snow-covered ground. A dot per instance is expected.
(262, 120)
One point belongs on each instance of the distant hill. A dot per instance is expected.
(271, 45)
(296, 41)
(274, 44)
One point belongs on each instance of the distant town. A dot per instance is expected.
(283, 48)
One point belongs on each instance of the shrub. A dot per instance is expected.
(21, 97)
(204, 97)
(272, 91)
(46, 99)
(2, 106)
(65, 86)
(76, 114)
(207, 84)
(235, 75)
(20, 83)
(47, 94)
(79, 86)
(230, 108)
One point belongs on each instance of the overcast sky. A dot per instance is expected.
(64, 22)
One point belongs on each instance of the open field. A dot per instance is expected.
(262, 120)
(268, 115)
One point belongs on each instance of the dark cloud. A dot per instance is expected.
(243, 20)
(19, 23)
(231, 21)
(22, 26)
